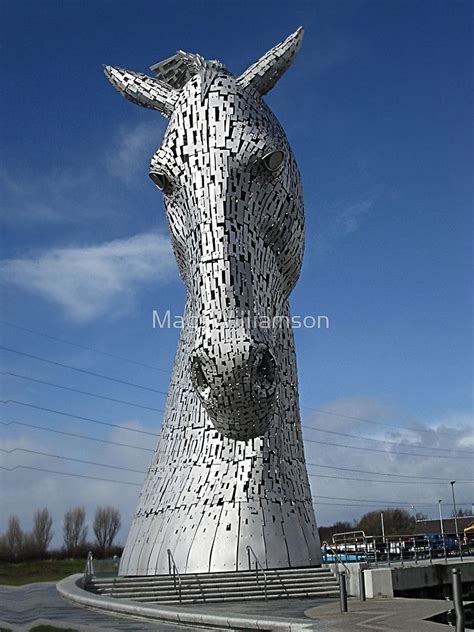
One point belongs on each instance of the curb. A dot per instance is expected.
(70, 589)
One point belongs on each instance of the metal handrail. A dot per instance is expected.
(257, 565)
(89, 569)
(349, 537)
(173, 570)
(336, 557)
(344, 533)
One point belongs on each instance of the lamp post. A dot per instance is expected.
(456, 520)
(384, 540)
(442, 531)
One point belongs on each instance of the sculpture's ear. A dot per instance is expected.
(143, 90)
(265, 72)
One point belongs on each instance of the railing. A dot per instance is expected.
(173, 570)
(357, 542)
(337, 558)
(89, 569)
(354, 535)
(355, 546)
(250, 552)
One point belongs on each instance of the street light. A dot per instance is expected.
(442, 530)
(456, 520)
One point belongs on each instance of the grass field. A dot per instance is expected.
(18, 574)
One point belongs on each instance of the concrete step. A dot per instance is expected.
(234, 581)
(228, 586)
(220, 574)
(210, 577)
(212, 589)
(198, 591)
(255, 597)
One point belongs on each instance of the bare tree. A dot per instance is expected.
(396, 521)
(14, 537)
(107, 522)
(4, 552)
(74, 530)
(42, 533)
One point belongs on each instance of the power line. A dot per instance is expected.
(81, 346)
(337, 445)
(65, 414)
(74, 368)
(374, 480)
(93, 478)
(126, 469)
(372, 421)
(355, 447)
(160, 410)
(69, 458)
(385, 502)
(348, 469)
(78, 436)
(374, 505)
(315, 497)
(24, 377)
(75, 390)
(407, 445)
(118, 357)
(371, 503)
(359, 471)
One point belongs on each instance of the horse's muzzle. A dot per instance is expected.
(237, 386)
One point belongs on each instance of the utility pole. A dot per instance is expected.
(456, 520)
(442, 531)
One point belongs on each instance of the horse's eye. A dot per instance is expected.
(161, 180)
(273, 160)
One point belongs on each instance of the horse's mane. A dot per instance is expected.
(177, 70)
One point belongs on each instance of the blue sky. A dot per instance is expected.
(377, 108)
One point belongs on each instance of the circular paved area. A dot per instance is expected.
(22, 607)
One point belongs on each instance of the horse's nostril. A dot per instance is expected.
(264, 368)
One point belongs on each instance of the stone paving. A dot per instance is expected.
(22, 607)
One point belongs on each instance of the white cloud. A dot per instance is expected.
(22, 491)
(90, 281)
(454, 432)
(350, 217)
(133, 149)
(84, 190)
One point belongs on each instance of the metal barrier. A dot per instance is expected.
(257, 566)
(457, 601)
(356, 546)
(343, 591)
(89, 569)
(337, 559)
(173, 570)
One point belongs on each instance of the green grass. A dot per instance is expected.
(20, 573)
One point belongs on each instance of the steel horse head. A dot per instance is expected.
(229, 468)
(234, 204)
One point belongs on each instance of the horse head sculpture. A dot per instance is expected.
(234, 205)
(235, 213)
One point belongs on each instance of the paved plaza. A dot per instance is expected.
(23, 607)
